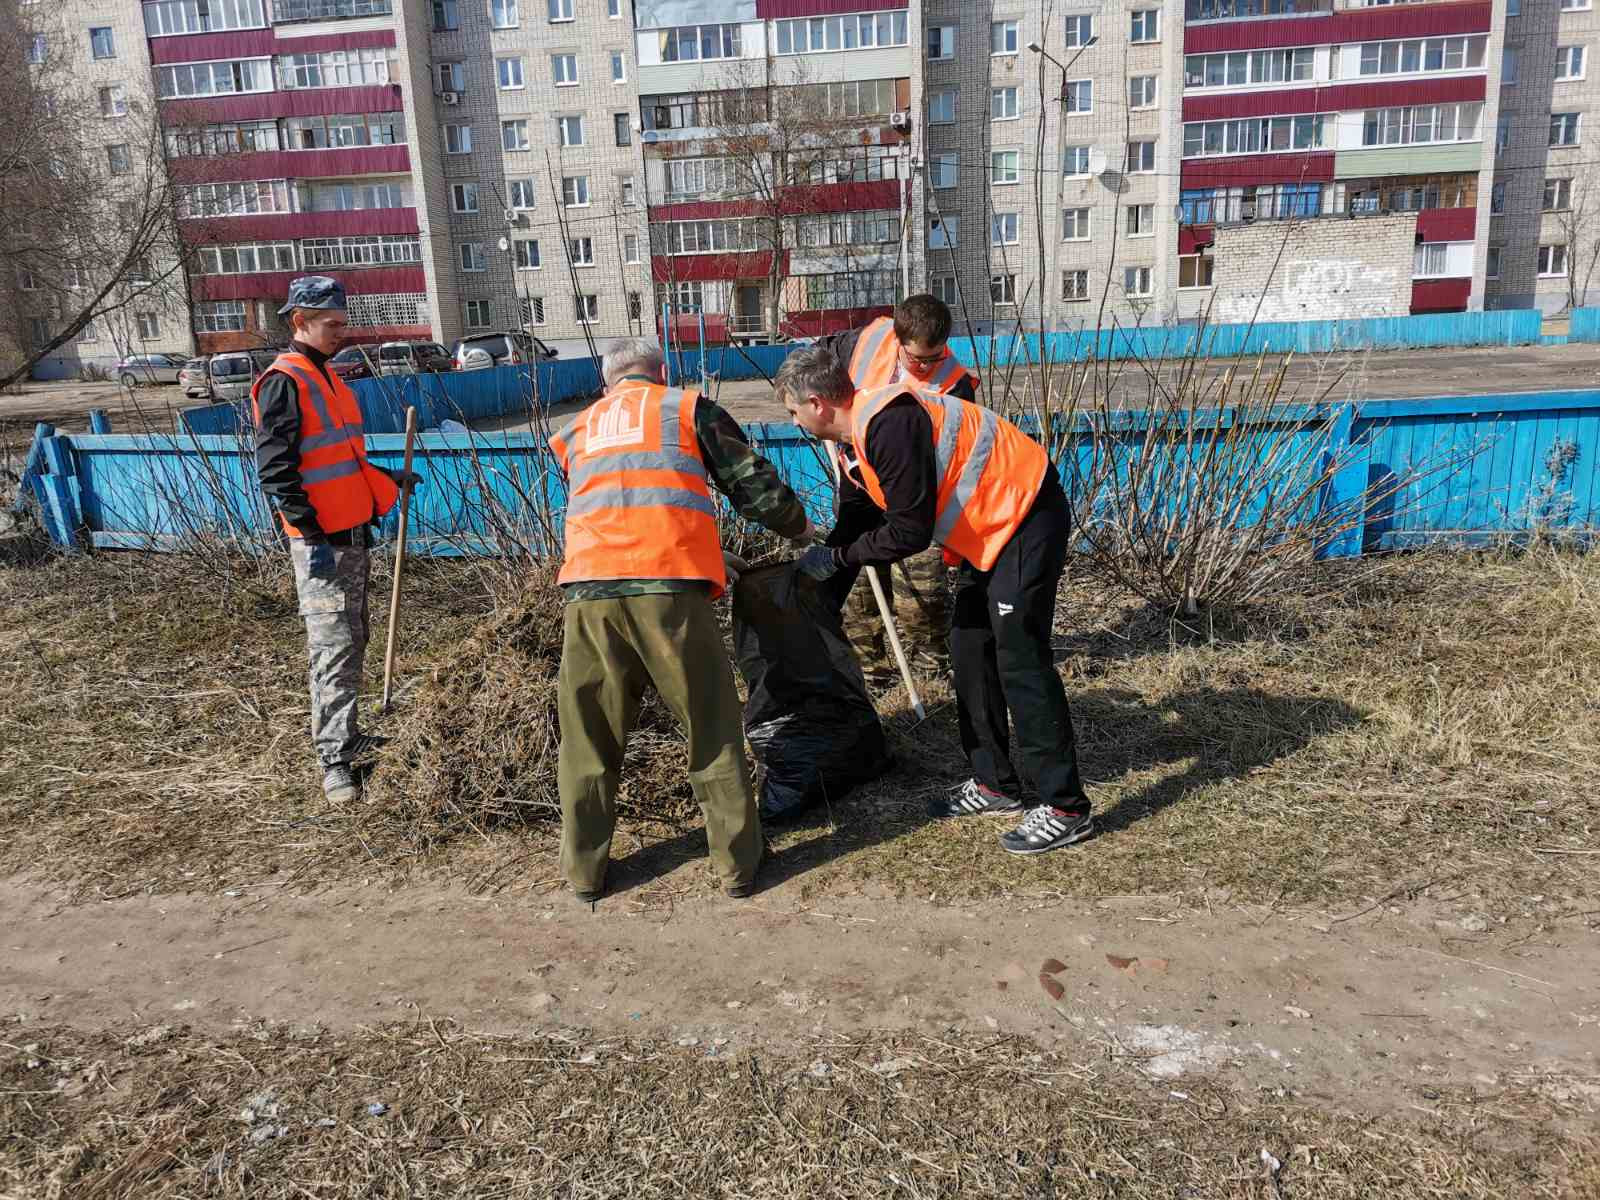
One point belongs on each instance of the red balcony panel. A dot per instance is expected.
(293, 164)
(706, 210)
(819, 322)
(1349, 97)
(1351, 25)
(755, 266)
(776, 10)
(1192, 237)
(686, 330)
(874, 196)
(212, 231)
(1440, 295)
(264, 106)
(258, 43)
(1447, 224)
(1258, 168)
(275, 285)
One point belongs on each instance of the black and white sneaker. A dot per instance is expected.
(972, 799)
(1045, 829)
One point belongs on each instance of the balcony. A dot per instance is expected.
(292, 12)
(1244, 10)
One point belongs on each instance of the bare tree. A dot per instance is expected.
(87, 230)
(1574, 202)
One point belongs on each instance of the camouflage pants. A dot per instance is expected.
(332, 584)
(918, 591)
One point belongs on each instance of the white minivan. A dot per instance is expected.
(233, 374)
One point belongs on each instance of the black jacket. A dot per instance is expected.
(900, 449)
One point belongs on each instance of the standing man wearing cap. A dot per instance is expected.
(311, 456)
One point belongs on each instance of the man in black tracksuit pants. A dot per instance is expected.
(1000, 637)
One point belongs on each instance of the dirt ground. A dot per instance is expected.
(1343, 917)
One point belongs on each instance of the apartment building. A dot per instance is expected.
(744, 169)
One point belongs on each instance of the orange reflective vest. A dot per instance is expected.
(989, 470)
(343, 488)
(876, 361)
(638, 499)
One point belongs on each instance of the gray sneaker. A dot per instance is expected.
(1045, 829)
(340, 784)
(972, 798)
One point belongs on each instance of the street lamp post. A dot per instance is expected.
(1048, 261)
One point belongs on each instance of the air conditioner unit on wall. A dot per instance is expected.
(901, 121)
(512, 215)
(450, 99)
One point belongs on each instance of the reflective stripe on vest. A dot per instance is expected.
(950, 373)
(336, 470)
(869, 344)
(971, 470)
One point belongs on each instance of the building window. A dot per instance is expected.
(691, 43)
(1003, 229)
(1557, 195)
(1575, 5)
(588, 308)
(1430, 261)
(1260, 135)
(182, 80)
(464, 197)
(38, 49)
(941, 42)
(452, 77)
(479, 314)
(946, 169)
(27, 280)
(1240, 67)
(943, 288)
(533, 311)
(1569, 62)
(101, 42)
(1509, 66)
(1136, 281)
(859, 31)
(1194, 270)
(580, 252)
(942, 107)
(1428, 54)
(1497, 198)
(1142, 91)
(635, 306)
(1075, 285)
(503, 13)
(944, 233)
(1075, 160)
(472, 257)
(1003, 104)
(248, 259)
(446, 16)
(39, 332)
(1502, 133)
(521, 193)
(362, 250)
(89, 333)
(569, 131)
(559, 10)
(1075, 224)
(510, 73)
(114, 101)
(1491, 263)
(1141, 220)
(1080, 30)
(1005, 166)
(1552, 261)
(219, 316)
(630, 248)
(622, 128)
(527, 250)
(1003, 289)
(514, 135)
(1145, 25)
(564, 69)
(458, 139)
(690, 177)
(330, 68)
(619, 67)
(1141, 158)
(1003, 37)
(119, 159)
(1564, 128)
(1079, 94)
(575, 191)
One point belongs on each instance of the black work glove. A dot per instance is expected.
(820, 562)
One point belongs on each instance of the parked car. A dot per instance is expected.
(483, 350)
(149, 368)
(352, 363)
(194, 380)
(406, 358)
(233, 374)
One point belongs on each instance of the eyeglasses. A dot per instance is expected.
(927, 360)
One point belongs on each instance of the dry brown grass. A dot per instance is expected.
(162, 1114)
(1405, 721)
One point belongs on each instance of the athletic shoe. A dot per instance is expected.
(340, 785)
(1046, 828)
(972, 798)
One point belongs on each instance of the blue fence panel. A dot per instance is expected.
(1584, 325)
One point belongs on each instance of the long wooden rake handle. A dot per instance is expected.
(399, 560)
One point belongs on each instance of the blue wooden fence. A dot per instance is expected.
(1525, 461)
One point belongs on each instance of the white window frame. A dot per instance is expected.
(1146, 153)
(630, 248)
(1077, 97)
(944, 169)
(619, 66)
(1431, 260)
(1081, 221)
(1562, 187)
(580, 251)
(1005, 228)
(559, 11)
(1007, 35)
(1007, 289)
(1009, 102)
(1005, 167)
(534, 307)
(586, 308)
(480, 314)
(503, 14)
(562, 137)
(472, 257)
(1072, 295)
(514, 136)
(114, 101)
(944, 287)
(1551, 257)
(508, 71)
(521, 195)
(1146, 31)
(458, 139)
(110, 42)
(558, 67)
(1140, 220)
(942, 94)
(579, 188)
(1497, 198)
(946, 35)
(526, 256)
(1150, 85)
(944, 232)
(1072, 159)
(1200, 256)
(1566, 121)
(1146, 278)
(1079, 31)
(1576, 5)
(1510, 66)
(1564, 61)
(460, 194)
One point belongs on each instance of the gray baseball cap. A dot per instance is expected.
(314, 291)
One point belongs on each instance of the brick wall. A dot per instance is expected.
(1314, 270)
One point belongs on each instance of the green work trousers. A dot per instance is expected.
(610, 650)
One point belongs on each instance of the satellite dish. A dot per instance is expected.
(1098, 161)
(1178, 213)
(505, 244)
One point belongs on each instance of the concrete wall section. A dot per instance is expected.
(1314, 271)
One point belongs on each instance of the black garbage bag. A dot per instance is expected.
(809, 717)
